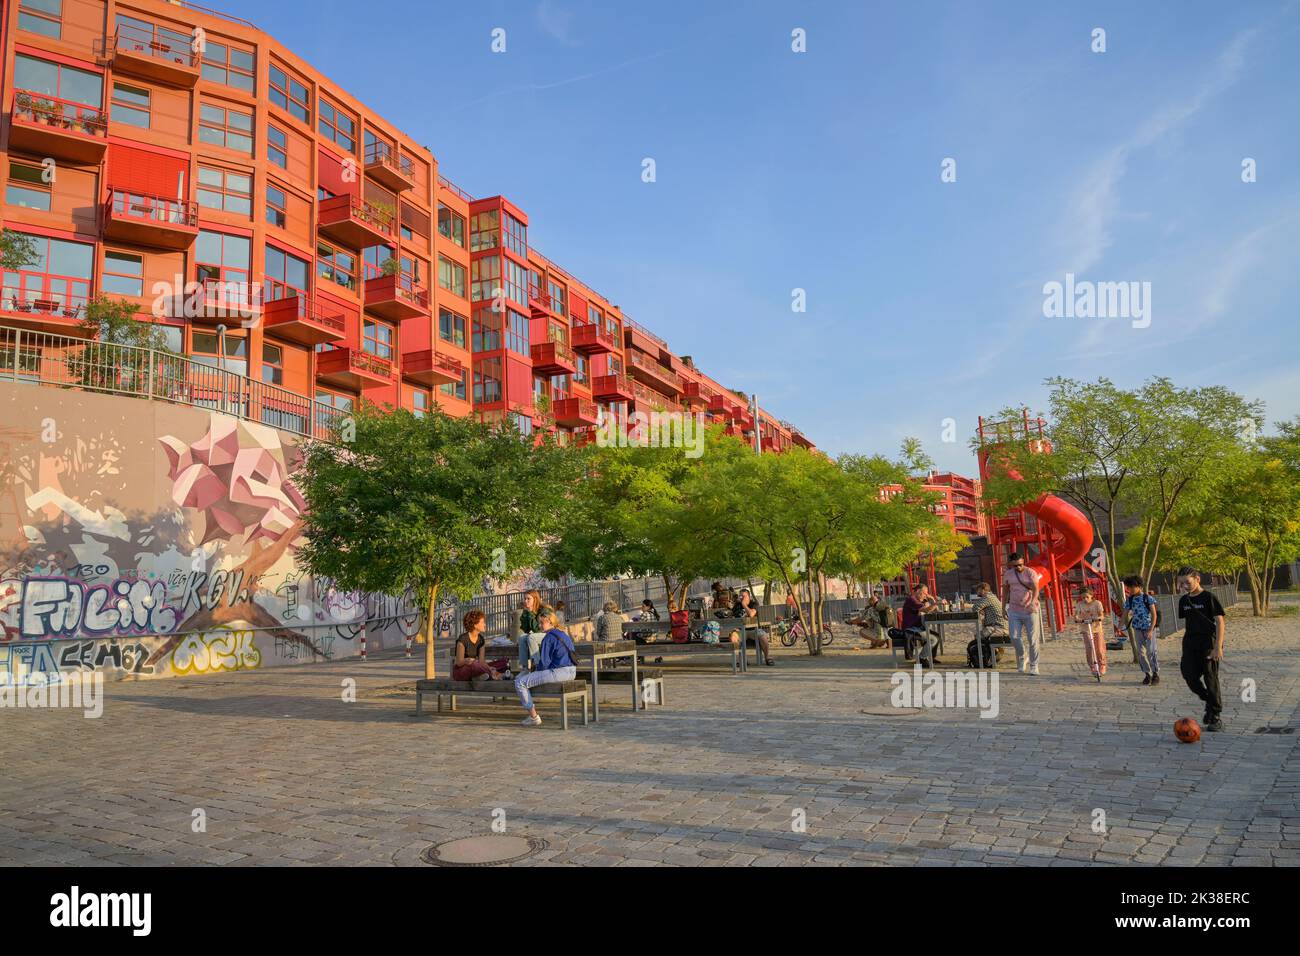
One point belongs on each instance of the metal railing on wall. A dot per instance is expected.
(66, 361)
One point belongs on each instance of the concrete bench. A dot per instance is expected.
(623, 675)
(572, 690)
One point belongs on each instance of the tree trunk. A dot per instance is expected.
(430, 661)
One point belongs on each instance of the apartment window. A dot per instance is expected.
(516, 235)
(517, 332)
(487, 381)
(451, 276)
(230, 355)
(223, 258)
(56, 280)
(516, 285)
(226, 127)
(484, 231)
(290, 95)
(123, 274)
(226, 190)
(286, 274)
(130, 105)
(451, 225)
(582, 371)
(277, 206)
(336, 265)
(377, 339)
(337, 125)
(27, 187)
(419, 403)
(272, 364)
(487, 330)
(454, 389)
(41, 16)
(277, 146)
(486, 276)
(611, 326)
(451, 327)
(63, 82)
(407, 234)
(228, 65)
(557, 297)
(373, 259)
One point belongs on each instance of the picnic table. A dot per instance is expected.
(597, 651)
(658, 637)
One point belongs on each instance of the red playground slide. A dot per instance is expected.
(1073, 527)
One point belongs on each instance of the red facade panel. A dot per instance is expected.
(147, 171)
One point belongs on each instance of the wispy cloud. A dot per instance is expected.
(556, 22)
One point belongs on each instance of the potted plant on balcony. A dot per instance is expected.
(390, 267)
(48, 111)
(23, 103)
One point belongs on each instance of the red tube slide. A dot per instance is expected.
(1074, 528)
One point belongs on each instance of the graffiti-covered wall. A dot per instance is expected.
(142, 539)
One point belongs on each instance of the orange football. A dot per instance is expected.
(1187, 730)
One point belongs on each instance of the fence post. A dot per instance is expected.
(18, 351)
(149, 357)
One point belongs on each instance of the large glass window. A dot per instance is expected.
(337, 125)
(451, 225)
(486, 276)
(277, 206)
(516, 285)
(123, 274)
(377, 339)
(62, 82)
(336, 265)
(272, 364)
(207, 348)
(41, 16)
(557, 297)
(226, 190)
(484, 231)
(517, 332)
(223, 258)
(286, 274)
(451, 327)
(290, 95)
(454, 389)
(487, 381)
(227, 127)
(27, 187)
(277, 146)
(451, 276)
(56, 280)
(130, 105)
(487, 330)
(228, 65)
(516, 235)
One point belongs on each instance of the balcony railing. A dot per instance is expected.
(59, 114)
(64, 361)
(448, 184)
(158, 43)
(665, 375)
(154, 209)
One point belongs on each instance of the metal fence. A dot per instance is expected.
(65, 361)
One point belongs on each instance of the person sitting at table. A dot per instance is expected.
(992, 615)
(557, 662)
(648, 611)
(471, 652)
(876, 620)
(747, 611)
(609, 623)
(918, 604)
(680, 631)
(530, 629)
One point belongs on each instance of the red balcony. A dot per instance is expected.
(653, 374)
(354, 222)
(299, 319)
(428, 367)
(389, 168)
(60, 129)
(576, 412)
(612, 388)
(538, 302)
(592, 339)
(582, 437)
(219, 303)
(722, 406)
(396, 297)
(696, 393)
(637, 336)
(146, 220)
(354, 369)
(553, 358)
(45, 303)
(158, 54)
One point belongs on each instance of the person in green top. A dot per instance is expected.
(530, 629)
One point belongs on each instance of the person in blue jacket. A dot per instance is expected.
(556, 663)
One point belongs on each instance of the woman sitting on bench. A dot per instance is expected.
(471, 652)
(556, 664)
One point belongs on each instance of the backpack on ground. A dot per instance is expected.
(974, 652)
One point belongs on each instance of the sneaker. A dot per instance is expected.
(1033, 671)
(770, 663)
(1146, 679)
(1155, 678)
(531, 721)
(1213, 726)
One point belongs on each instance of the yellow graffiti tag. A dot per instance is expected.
(216, 652)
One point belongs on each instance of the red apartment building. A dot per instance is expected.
(959, 503)
(188, 144)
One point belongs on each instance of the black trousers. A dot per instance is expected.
(1202, 676)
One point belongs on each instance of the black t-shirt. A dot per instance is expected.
(1198, 612)
(471, 647)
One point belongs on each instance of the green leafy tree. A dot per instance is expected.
(433, 504)
(120, 350)
(16, 250)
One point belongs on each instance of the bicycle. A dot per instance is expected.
(791, 631)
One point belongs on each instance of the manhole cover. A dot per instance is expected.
(1274, 730)
(492, 850)
(890, 711)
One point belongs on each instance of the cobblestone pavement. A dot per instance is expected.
(287, 773)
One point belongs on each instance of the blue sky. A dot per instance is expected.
(821, 171)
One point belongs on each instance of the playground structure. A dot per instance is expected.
(1054, 536)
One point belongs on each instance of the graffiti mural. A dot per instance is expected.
(151, 540)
